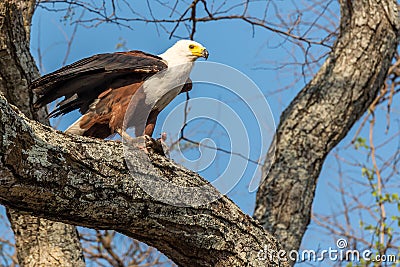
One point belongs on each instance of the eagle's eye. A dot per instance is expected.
(191, 46)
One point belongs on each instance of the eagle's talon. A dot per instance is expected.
(154, 145)
(164, 145)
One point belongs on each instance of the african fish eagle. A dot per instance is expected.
(102, 87)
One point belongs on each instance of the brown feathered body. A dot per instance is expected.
(101, 87)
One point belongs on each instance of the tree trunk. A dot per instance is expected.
(39, 242)
(322, 114)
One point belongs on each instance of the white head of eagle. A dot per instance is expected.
(184, 51)
(102, 86)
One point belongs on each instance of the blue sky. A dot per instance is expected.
(256, 54)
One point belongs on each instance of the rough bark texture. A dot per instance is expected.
(322, 114)
(39, 242)
(42, 242)
(86, 181)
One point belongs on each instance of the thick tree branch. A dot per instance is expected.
(322, 114)
(86, 182)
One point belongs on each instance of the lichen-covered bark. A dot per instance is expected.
(17, 66)
(42, 242)
(86, 181)
(39, 242)
(322, 114)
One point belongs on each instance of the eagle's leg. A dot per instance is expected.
(149, 129)
(156, 146)
(124, 135)
(142, 145)
(151, 122)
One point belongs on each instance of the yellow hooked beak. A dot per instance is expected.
(199, 51)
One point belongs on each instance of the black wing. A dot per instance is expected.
(83, 81)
